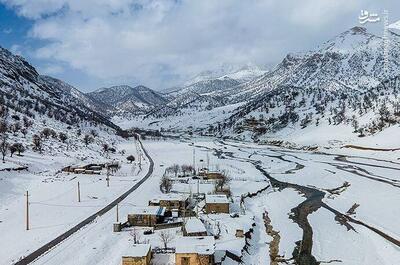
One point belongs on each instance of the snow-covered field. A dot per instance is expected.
(289, 179)
(53, 197)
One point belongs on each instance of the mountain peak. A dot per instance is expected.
(127, 98)
(358, 30)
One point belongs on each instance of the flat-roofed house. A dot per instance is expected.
(194, 227)
(146, 216)
(217, 203)
(195, 250)
(138, 254)
(211, 175)
(171, 201)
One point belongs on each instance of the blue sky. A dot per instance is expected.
(14, 36)
(162, 43)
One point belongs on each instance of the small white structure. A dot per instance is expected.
(194, 227)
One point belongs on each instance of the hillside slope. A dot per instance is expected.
(122, 99)
(25, 91)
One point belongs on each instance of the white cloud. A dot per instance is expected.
(16, 49)
(51, 69)
(162, 42)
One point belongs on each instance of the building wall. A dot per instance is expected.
(193, 259)
(170, 204)
(217, 207)
(213, 175)
(142, 220)
(194, 234)
(137, 260)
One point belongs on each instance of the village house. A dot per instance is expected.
(146, 216)
(211, 175)
(138, 254)
(171, 201)
(217, 203)
(195, 250)
(87, 169)
(194, 227)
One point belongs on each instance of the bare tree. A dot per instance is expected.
(186, 169)
(46, 132)
(354, 123)
(12, 149)
(87, 139)
(135, 235)
(3, 126)
(175, 169)
(222, 181)
(165, 184)
(15, 127)
(19, 148)
(24, 132)
(106, 148)
(94, 133)
(166, 237)
(4, 146)
(27, 122)
(62, 136)
(37, 143)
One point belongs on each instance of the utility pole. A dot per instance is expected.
(79, 192)
(194, 159)
(108, 177)
(117, 214)
(198, 188)
(27, 210)
(208, 162)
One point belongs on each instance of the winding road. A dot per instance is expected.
(47, 247)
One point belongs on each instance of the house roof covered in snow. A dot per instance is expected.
(171, 197)
(204, 245)
(137, 250)
(216, 198)
(194, 225)
(148, 210)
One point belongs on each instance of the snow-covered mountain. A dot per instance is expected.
(121, 99)
(25, 91)
(225, 71)
(205, 87)
(352, 60)
(206, 91)
(246, 73)
(340, 87)
(342, 82)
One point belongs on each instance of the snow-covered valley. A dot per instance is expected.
(306, 195)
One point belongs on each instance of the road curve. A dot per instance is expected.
(45, 248)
